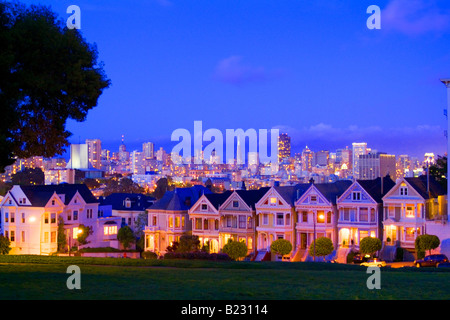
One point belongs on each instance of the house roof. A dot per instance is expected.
(292, 193)
(40, 195)
(332, 191)
(373, 187)
(180, 199)
(216, 199)
(251, 197)
(420, 185)
(138, 202)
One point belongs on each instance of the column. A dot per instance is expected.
(446, 82)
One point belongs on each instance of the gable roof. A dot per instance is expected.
(373, 187)
(251, 197)
(216, 199)
(180, 199)
(40, 195)
(292, 193)
(332, 191)
(138, 202)
(420, 185)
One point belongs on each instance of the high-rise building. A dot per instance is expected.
(376, 165)
(94, 152)
(359, 148)
(307, 159)
(148, 148)
(321, 158)
(78, 157)
(284, 146)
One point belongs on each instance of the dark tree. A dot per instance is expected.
(439, 171)
(162, 185)
(124, 185)
(48, 74)
(28, 176)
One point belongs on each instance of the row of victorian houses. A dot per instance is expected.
(344, 211)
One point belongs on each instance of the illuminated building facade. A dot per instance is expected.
(284, 147)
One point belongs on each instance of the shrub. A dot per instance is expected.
(426, 242)
(235, 249)
(126, 236)
(281, 247)
(149, 255)
(323, 247)
(5, 245)
(198, 255)
(370, 245)
(399, 254)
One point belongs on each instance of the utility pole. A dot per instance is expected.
(446, 82)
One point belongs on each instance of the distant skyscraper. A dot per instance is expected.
(359, 148)
(78, 157)
(321, 158)
(375, 165)
(148, 148)
(307, 159)
(284, 146)
(94, 152)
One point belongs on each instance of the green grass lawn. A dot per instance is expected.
(35, 277)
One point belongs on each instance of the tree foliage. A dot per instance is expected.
(48, 74)
(86, 231)
(323, 247)
(122, 185)
(426, 242)
(62, 240)
(28, 176)
(5, 245)
(235, 249)
(369, 245)
(126, 237)
(188, 243)
(439, 171)
(281, 247)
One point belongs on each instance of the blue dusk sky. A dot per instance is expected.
(313, 69)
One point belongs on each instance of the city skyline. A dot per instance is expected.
(312, 70)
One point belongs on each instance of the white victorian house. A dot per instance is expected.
(30, 217)
(406, 208)
(361, 211)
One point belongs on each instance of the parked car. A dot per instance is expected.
(374, 263)
(432, 260)
(359, 258)
(443, 265)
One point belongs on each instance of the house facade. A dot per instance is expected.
(206, 220)
(30, 216)
(276, 216)
(407, 207)
(239, 219)
(168, 218)
(361, 211)
(317, 215)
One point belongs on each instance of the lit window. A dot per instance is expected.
(409, 212)
(109, 230)
(273, 201)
